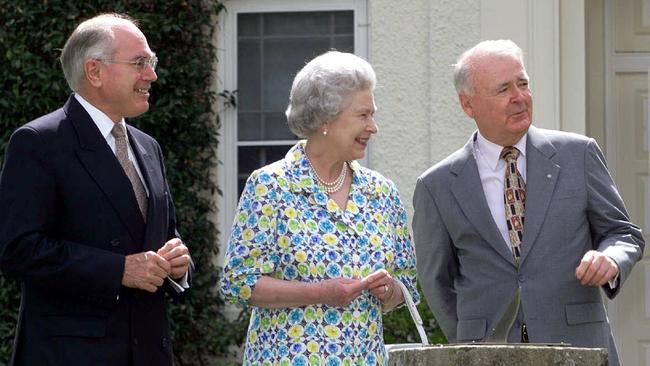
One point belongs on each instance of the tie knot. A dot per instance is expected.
(509, 153)
(118, 131)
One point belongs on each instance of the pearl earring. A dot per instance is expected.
(324, 132)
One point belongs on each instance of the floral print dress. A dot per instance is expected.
(286, 227)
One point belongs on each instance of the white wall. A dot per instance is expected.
(412, 48)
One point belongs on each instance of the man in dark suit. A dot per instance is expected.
(516, 232)
(87, 222)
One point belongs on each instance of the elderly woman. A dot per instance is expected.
(319, 241)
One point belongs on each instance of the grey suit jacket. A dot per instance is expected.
(468, 273)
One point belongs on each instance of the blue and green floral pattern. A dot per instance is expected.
(286, 227)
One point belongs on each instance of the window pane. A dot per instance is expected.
(249, 126)
(276, 127)
(241, 182)
(344, 44)
(275, 153)
(269, 57)
(282, 60)
(248, 78)
(292, 24)
(249, 159)
(343, 22)
(248, 24)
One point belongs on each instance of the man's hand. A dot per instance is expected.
(596, 269)
(177, 254)
(340, 291)
(145, 271)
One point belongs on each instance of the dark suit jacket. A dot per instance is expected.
(68, 217)
(468, 273)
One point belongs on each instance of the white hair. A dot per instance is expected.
(463, 80)
(321, 89)
(92, 38)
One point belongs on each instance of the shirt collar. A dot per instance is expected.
(102, 121)
(492, 152)
(301, 177)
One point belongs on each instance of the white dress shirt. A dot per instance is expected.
(492, 170)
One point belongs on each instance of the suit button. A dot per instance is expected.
(135, 341)
(521, 278)
(115, 242)
(165, 342)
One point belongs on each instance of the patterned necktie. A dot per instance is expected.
(123, 157)
(514, 199)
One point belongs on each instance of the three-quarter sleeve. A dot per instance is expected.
(251, 248)
(404, 262)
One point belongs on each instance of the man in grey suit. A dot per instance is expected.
(516, 251)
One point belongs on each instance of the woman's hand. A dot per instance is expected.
(341, 291)
(382, 286)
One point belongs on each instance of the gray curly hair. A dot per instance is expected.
(463, 67)
(321, 89)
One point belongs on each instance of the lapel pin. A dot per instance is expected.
(548, 176)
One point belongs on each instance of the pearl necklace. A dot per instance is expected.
(334, 186)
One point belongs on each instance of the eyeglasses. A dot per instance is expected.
(139, 63)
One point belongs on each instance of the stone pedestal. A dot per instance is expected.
(498, 354)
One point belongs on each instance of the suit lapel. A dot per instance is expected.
(468, 191)
(100, 162)
(143, 158)
(541, 176)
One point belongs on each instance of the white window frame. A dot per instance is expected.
(227, 80)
